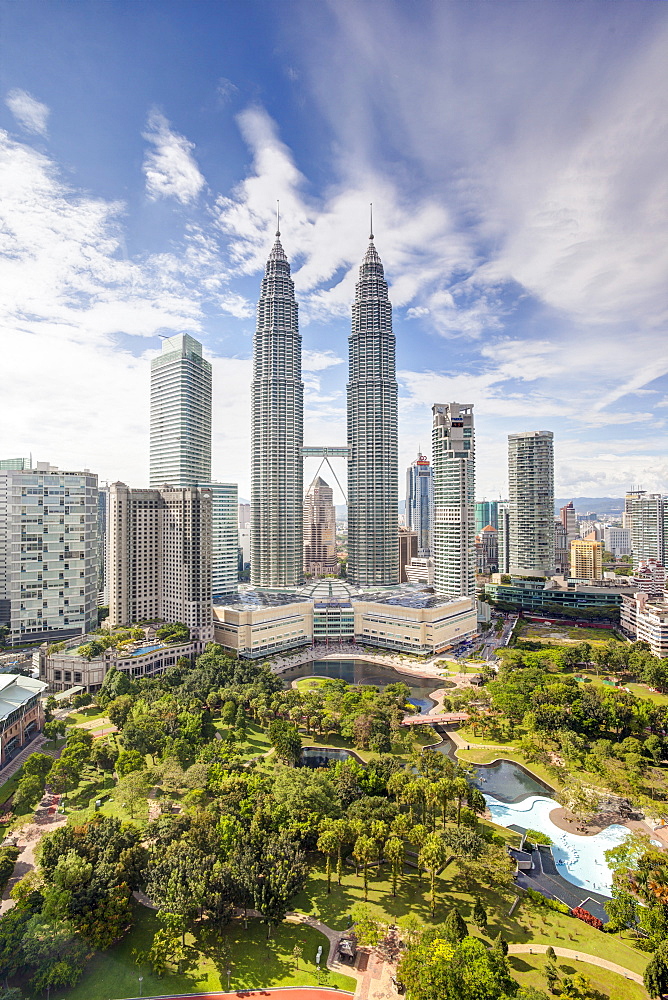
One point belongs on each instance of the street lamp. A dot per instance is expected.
(141, 980)
(229, 973)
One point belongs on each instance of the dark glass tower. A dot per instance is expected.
(373, 487)
(277, 419)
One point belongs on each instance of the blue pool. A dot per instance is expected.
(146, 649)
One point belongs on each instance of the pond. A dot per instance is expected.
(364, 672)
(323, 756)
(504, 779)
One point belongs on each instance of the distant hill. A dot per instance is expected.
(601, 505)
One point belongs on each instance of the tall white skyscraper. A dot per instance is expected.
(453, 456)
(646, 515)
(503, 527)
(277, 427)
(224, 537)
(160, 557)
(180, 414)
(531, 492)
(420, 503)
(373, 486)
(49, 553)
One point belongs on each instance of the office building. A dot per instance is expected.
(586, 558)
(453, 454)
(180, 415)
(420, 571)
(617, 540)
(373, 488)
(160, 557)
(487, 550)
(503, 541)
(408, 550)
(486, 512)
(569, 520)
(277, 419)
(49, 553)
(420, 502)
(531, 489)
(244, 515)
(224, 537)
(647, 519)
(319, 530)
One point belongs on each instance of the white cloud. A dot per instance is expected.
(317, 361)
(30, 113)
(170, 168)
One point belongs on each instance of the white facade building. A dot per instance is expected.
(180, 414)
(373, 485)
(453, 454)
(646, 515)
(224, 537)
(277, 429)
(49, 553)
(420, 503)
(160, 557)
(646, 619)
(531, 491)
(617, 540)
(504, 535)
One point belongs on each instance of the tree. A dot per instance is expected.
(454, 928)
(39, 764)
(432, 857)
(54, 951)
(655, 976)
(480, 916)
(461, 791)
(128, 761)
(394, 851)
(328, 844)
(132, 790)
(53, 729)
(363, 853)
(551, 975)
(297, 953)
(28, 792)
(286, 741)
(501, 945)
(344, 835)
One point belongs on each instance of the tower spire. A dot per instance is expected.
(278, 218)
(370, 220)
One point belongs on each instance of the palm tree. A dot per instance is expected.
(417, 837)
(379, 836)
(431, 798)
(343, 833)
(432, 857)
(401, 825)
(328, 844)
(394, 851)
(444, 789)
(413, 797)
(461, 790)
(363, 852)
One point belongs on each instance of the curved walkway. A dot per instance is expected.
(579, 956)
(281, 993)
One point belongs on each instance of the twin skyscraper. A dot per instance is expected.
(277, 406)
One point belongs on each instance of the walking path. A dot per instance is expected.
(580, 956)
(15, 763)
(281, 993)
(27, 838)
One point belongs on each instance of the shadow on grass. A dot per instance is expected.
(518, 965)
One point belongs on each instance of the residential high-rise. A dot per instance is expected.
(160, 557)
(49, 553)
(453, 456)
(420, 503)
(650, 578)
(224, 537)
(244, 515)
(531, 489)
(486, 512)
(277, 428)
(319, 529)
(646, 514)
(503, 527)
(587, 558)
(373, 488)
(180, 414)
(102, 526)
(562, 554)
(487, 550)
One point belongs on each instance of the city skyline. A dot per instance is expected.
(522, 226)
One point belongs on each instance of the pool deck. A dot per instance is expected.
(546, 879)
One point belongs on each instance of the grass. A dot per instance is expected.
(9, 787)
(466, 733)
(528, 923)
(528, 970)
(85, 715)
(310, 683)
(254, 961)
(564, 634)
(256, 742)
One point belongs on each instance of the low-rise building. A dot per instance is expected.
(60, 669)
(420, 571)
(646, 620)
(257, 624)
(550, 595)
(21, 713)
(650, 578)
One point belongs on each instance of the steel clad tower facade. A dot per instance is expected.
(277, 420)
(373, 487)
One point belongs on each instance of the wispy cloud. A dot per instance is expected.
(170, 168)
(30, 113)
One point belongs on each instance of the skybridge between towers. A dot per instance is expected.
(325, 453)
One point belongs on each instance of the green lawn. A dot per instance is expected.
(256, 742)
(528, 970)
(85, 715)
(310, 683)
(9, 787)
(564, 634)
(255, 963)
(528, 923)
(466, 733)
(642, 691)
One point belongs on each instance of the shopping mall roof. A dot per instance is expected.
(15, 691)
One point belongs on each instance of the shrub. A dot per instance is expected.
(8, 856)
(587, 918)
(551, 904)
(536, 837)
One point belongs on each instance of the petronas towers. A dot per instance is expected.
(277, 433)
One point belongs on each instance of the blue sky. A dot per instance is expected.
(516, 157)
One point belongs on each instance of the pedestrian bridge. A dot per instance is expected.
(429, 720)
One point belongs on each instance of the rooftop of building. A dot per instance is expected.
(15, 691)
(408, 598)
(251, 600)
